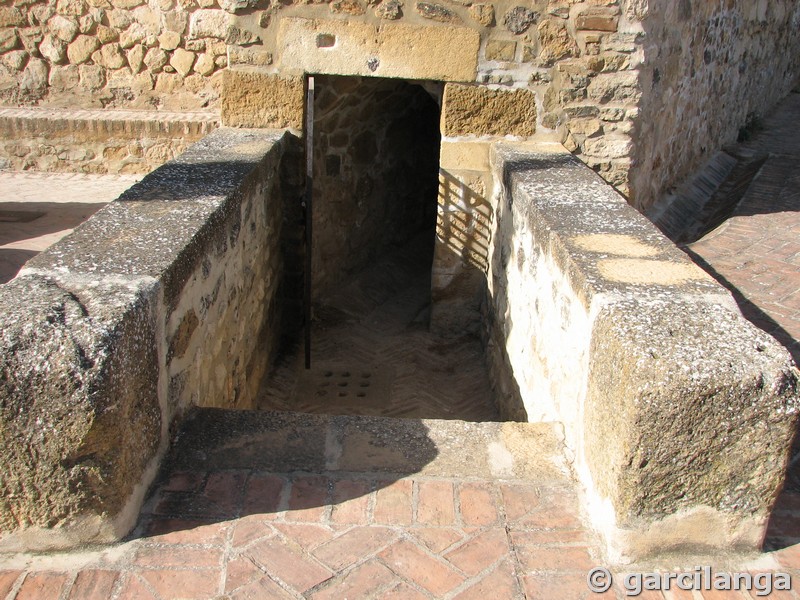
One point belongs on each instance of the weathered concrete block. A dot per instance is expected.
(163, 299)
(690, 413)
(444, 53)
(80, 408)
(679, 411)
(480, 110)
(254, 99)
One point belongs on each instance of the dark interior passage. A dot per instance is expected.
(375, 171)
(375, 201)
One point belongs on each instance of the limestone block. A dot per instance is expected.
(64, 78)
(246, 56)
(702, 406)
(135, 34)
(169, 40)
(73, 8)
(33, 83)
(110, 56)
(182, 60)
(127, 3)
(53, 49)
(204, 64)
(464, 156)
(209, 23)
(63, 28)
(586, 127)
(232, 6)
(500, 50)
(597, 19)
(556, 42)
(135, 57)
(86, 464)
(241, 37)
(119, 19)
(150, 20)
(685, 415)
(81, 49)
(92, 77)
(615, 87)
(8, 40)
(252, 99)
(390, 10)
(15, 60)
(12, 17)
(483, 14)
(106, 35)
(155, 59)
(479, 110)
(175, 20)
(444, 53)
(608, 147)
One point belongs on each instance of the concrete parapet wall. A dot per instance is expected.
(165, 299)
(96, 141)
(679, 412)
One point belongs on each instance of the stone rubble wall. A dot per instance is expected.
(679, 413)
(579, 60)
(640, 91)
(163, 300)
(99, 141)
(710, 69)
(376, 146)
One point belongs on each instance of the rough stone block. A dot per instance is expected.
(445, 53)
(479, 110)
(597, 19)
(253, 99)
(96, 331)
(500, 50)
(702, 406)
(683, 413)
(67, 457)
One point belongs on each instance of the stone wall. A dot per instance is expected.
(710, 69)
(163, 300)
(99, 141)
(578, 58)
(638, 90)
(376, 144)
(679, 413)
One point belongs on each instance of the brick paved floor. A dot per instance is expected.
(38, 209)
(374, 329)
(221, 531)
(756, 254)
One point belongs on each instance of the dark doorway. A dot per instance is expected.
(376, 186)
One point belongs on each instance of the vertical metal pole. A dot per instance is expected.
(307, 205)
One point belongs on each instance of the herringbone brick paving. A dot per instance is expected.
(375, 325)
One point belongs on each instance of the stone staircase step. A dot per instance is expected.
(285, 442)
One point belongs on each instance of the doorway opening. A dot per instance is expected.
(376, 193)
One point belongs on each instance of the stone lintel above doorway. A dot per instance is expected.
(336, 47)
